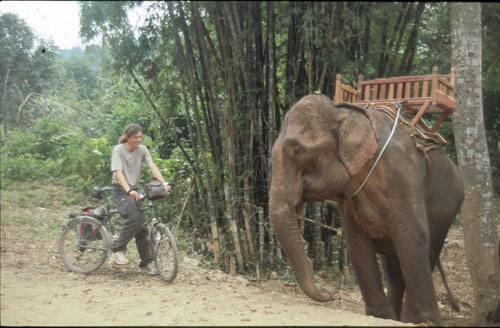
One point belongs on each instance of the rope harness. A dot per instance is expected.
(424, 140)
(398, 106)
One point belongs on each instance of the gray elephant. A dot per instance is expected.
(325, 151)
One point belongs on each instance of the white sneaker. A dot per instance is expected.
(150, 268)
(119, 258)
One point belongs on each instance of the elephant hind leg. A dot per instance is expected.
(453, 301)
(395, 283)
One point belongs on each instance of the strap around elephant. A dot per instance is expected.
(399, 106)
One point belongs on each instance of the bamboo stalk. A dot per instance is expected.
(237, 246)
(317, 235)
(246, 217)
(334, 248)
(232, 266)
(244, 247)
(271, 248)
(215, 236)
(227, 261)
(279, 255)
(185, 204)
(261, 234)
(260, 261)
(322, 226)
(346, 263)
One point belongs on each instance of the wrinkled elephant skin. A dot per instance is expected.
(324, 151)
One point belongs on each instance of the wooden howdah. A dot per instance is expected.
(423, 94)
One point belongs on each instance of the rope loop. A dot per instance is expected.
(399, 106)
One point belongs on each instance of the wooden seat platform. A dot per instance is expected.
(423, 94)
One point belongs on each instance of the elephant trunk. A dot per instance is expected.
(284, 220)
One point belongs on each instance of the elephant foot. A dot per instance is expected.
(423, 317)
(381, 311)
(322, 296)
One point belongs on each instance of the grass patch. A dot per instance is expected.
(39, 208)
(17, 219)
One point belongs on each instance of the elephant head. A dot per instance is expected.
(320, 147)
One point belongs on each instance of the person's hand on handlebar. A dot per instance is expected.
(167, 188)
(134, 194)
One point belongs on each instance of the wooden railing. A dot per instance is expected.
(423, 94)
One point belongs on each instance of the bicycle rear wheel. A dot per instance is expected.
(166, 258)
(84, 245)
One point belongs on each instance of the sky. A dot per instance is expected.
(53, 20)
(56, 20)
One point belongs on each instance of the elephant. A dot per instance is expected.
(323, 152)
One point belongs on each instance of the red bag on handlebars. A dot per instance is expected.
(155, 190)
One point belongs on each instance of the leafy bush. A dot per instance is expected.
(85, 162)
(48, 151)
(20, 168)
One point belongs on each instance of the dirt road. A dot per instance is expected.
(115, 296)
(38, 290)
(47, 294)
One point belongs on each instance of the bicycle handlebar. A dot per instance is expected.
(101, 190)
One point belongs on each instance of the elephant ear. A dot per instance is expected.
(357, 139)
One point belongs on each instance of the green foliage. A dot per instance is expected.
(83, 166)
(48, 151)
(79, 69)
(491, 85)
(16, 44)
(434, 43)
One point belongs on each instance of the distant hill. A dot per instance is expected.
(66, 53)
(91, 54)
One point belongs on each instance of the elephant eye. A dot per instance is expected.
(293, 148)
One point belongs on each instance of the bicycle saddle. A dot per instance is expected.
(99, 192)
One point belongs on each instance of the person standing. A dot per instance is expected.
(127, 160)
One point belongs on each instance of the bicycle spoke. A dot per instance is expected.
(84, 245)
(166, 258)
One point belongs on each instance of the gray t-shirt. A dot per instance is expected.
(129, 162)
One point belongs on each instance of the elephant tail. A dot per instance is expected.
(453, 301)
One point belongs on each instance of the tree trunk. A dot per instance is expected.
(213, 100)
(190, 69)
(388, 49)
(310, 34)
(3, 108)
(366, 36)
(402, 30)
(324, 70)
(383, 49)
(411, 44)
(290, 56)
(414, 37)
(271, 87)
(478, 213)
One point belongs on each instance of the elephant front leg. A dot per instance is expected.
(395, 283)
(364, 261)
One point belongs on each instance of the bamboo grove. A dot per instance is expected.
(220, 76)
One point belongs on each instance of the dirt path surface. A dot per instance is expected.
(38, 290)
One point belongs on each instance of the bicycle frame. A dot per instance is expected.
(110, 212)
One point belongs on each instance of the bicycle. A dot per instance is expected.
(85, 243)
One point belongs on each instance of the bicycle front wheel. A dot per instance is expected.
(166, 258)
(84, 245)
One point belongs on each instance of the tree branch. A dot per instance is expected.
(151, 102)
(53, 99)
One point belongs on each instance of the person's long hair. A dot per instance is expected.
(129, 131)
